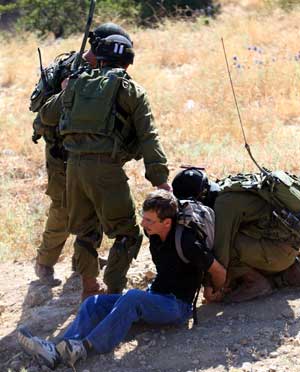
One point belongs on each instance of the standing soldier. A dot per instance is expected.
(106, 121)
(56, 230)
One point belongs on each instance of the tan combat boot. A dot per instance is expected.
(253, 285)
(291, 276)
(46, 275)
(91, 287)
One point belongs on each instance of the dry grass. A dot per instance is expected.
(182, 67)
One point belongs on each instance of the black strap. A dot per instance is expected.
(178, 235)
(195, 316)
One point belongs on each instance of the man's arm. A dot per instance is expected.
(51, 111)
(235, 211)
(153, 154)
(218, 274)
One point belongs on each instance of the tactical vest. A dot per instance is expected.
(90, 107)
(280, 189)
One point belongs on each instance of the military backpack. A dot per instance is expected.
(55, 73)
(201, 219)
(90, 107)
(280, 189)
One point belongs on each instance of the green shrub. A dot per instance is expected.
(155, 10)
(284, 4)
(63, 18)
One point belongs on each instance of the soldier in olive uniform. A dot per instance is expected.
(56, 229)
(257, 250)
(106, 121)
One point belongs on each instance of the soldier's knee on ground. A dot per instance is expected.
(289, 277)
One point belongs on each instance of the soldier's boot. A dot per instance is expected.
(253, 285)
(46, 275)
(91, 287)
(291, 276)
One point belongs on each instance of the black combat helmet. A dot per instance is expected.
(114, 48)
(107, 29)
(192, 183)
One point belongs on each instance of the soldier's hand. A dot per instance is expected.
(35, 137)
(212, 296)
(64, 83)
(165, 186)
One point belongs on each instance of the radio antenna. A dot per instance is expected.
(247, 146)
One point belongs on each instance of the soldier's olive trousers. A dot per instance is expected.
(56, 230)
(265, 255)
(97, 188)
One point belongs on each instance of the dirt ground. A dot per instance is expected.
(261, 335)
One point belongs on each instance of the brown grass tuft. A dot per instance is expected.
(182, 67)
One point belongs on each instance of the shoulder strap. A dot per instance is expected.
(178, 236)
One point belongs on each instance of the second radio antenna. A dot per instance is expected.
(239, 115)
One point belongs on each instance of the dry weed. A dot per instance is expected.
(182, 67)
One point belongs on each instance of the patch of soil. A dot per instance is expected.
(258, 336)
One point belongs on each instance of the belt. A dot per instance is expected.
(93, 156)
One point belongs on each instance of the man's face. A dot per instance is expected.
(153, 225)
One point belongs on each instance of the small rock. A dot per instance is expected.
(8, 152)
(274, 354)
(226, 330)
(247, 367)
(272, 369)
(38, 296)
(189, 105)
(46, 369)
(244, 341)
(149, 275)
(33, 369)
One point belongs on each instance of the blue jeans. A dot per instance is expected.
(104, 320)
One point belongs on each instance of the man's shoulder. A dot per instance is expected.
(132, 93)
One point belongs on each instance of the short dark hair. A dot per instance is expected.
(163, 203)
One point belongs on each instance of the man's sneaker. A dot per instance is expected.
(71, 351)
(46, 275)
(43, 350)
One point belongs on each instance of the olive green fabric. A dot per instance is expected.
(133, 100)
(56, 229)
(88, 103)
(119, 260)
(278, 188)
(247, 235)
(97, 187)
(55, 73)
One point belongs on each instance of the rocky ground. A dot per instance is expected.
(261, 335)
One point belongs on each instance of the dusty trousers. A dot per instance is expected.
(266, 255)
(56, 229)
(97, 190)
